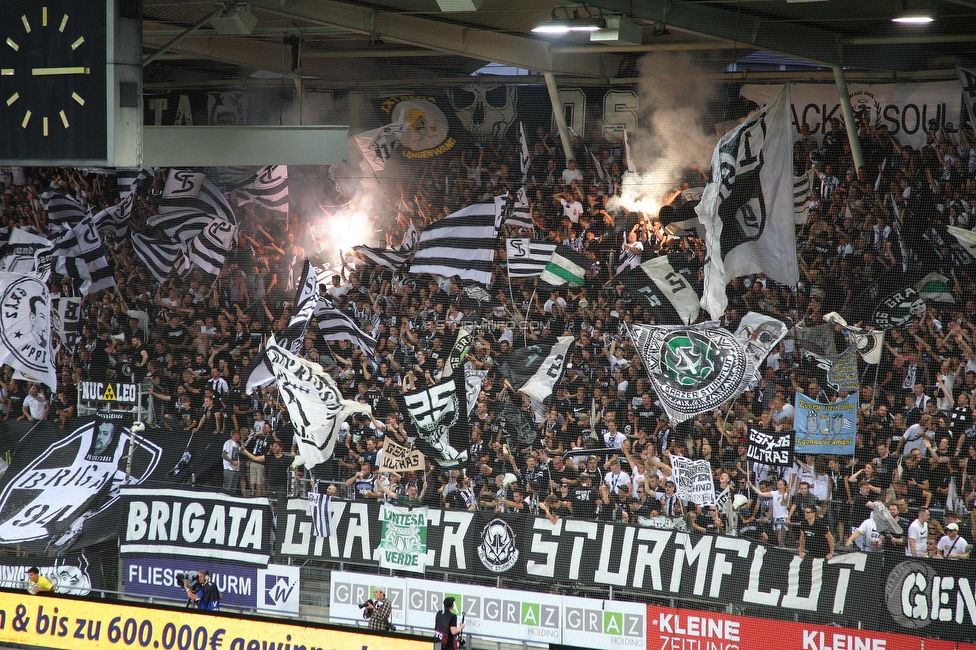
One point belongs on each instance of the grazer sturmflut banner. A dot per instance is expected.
(659, 563)
(62, 490)
(931, 598)
(196, 524)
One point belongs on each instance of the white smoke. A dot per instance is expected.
(674, 94)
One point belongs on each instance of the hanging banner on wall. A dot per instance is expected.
(932, 597)
(274, 588)
(650, 560)
(403, 542)
(906, 109)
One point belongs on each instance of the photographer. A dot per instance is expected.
(377, 611)
(446, 626)
(206, 596)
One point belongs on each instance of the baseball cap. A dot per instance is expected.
(954, 527)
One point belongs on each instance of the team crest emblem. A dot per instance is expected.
(25, 324)
(898, 309)
(688, 359)
(497, 549)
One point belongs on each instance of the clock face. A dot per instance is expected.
(52, 80)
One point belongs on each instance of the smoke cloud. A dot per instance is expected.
(675, 90)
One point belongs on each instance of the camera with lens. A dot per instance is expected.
(190, 580)
(363, 607)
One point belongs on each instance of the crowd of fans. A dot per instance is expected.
(602, 449)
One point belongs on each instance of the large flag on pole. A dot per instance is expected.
(747, 209)
(869, 343)
(663, 290)
(377, 145)
(566, 266)
(461, 244)
(526, 257)
(259, 372)
(267, 188)
(314, 403)
(25, 328)
(524, 158)
(694, 369)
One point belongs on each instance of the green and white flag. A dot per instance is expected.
(694, 369)
(747, 209)
(566, 265)
(935, 286)
(403, 544)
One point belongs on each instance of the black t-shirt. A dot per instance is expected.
(584, 502)
(276, 473)
(815, 537)
(443, 622)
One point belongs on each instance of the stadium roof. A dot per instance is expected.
(390, 43)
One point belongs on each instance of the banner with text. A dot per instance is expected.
(69, 623)
(247, 586)
(403, 542)
(683, 628)
(661, 563)
(195, 524)
(937, 597)
(824, 428)
(502, 614)
(906, 109)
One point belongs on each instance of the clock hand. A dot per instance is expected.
(59, 71)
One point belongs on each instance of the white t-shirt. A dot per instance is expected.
(869, 536)
(948, 547)
(232, 450)
(920, 533)
(570, 175)
(615, 440)
(572, 209)
(616, 482)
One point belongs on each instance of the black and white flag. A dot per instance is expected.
(377, 145)
(187, 189)
(898, 309)
(78, 249)
(209, 248)
(760, 334)
(393, 259)
(268, 188)
(25, 329)
(410, 238)
(693, 480)
(525, 159)
(335, 325)
(802, 186)
(747, 208)
(182, 225)
(66, 319)
(259, 372)
(967, 79)
(320, 510)
(461, 244)
(774, 448)
(869, 343)
(436, 415)
(314, 402)
(27, 254)
(693, 369)
(665, 291)
(550, 371)
(158, 254)
(527, 258)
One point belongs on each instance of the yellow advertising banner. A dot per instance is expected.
(73, 624)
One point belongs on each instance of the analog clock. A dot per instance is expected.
(52, 80)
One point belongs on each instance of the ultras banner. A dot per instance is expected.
(196, 524)
(661, 563)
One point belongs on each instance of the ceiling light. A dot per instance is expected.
(570, 23)
(912, 19)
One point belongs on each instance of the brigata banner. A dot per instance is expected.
(683, 628)
(501, 614)
(659, 563)
(189, 523)
(906, 109)
(70, 623)
(247, 586)
(936, 597)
